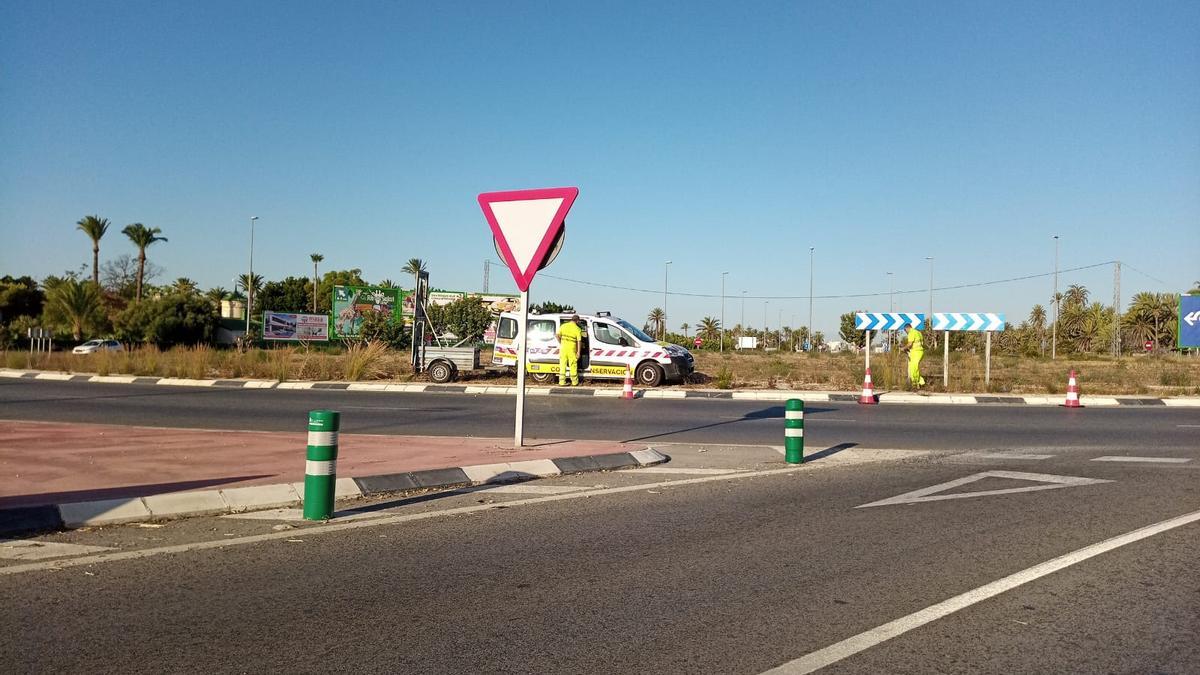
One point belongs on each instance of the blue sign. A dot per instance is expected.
(887, 320)
(967, 321)
(1189, 321)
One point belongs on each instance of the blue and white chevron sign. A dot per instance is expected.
(887, 320)
(976, 321)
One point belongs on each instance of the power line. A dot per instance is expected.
(831, 297)
(1128, 266)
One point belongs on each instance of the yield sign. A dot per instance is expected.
(525, 223)
(939, 492)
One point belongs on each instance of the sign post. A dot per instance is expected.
(965, 321)
(527, 227)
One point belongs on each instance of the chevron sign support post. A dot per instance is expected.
(967, 321)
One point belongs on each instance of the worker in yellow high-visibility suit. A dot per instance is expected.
(570, 341)
(914, 344)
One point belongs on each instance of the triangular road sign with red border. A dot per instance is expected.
(525, 223)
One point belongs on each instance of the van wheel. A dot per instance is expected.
(542, 378)
(649, 374)
(441, 372)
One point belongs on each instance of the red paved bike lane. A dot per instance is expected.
(48, 463)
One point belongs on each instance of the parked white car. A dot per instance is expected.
(93, 346)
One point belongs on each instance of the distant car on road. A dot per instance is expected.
(93, 346)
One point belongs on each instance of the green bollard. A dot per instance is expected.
(320, 471)
(793, 432)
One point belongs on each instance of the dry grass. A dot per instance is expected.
(1155, 375)
(283, 363)
(1147, 375)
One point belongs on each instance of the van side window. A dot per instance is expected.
(542, 330)
(610, 334)
(507, 329)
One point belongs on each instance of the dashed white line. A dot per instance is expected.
(1147, 460)
(682, 471)
(1007, 455)
(863, 641)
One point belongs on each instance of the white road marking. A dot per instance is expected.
(376, 407)
(27, 549)
(354, 523)
(1148, 460)
(863, 641)
(929, 494)
(682, 471)
(530, 489)
(1188, 426)
(1006, 455)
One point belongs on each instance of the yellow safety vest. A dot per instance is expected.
(915, 340)
(570, 332)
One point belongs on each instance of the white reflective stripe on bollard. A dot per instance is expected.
(794, 414)
(793, 433)
(322, 439)
(312, 468)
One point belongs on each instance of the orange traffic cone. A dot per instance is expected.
(1072, 393)
(868, 392)
(627, 390)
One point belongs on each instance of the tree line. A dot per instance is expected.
(1084, 327)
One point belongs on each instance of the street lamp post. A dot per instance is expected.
(929, 319)
(723, 275)
(810, 289)
(765, 303)
(743, 310)
(250, 279)
(666, 268)
(891, 307)
(1054, 330)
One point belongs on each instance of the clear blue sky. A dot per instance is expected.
(719, 136)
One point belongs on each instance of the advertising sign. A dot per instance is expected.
(435, 298)
(351, 303)
(299, 327)
(1189, 321)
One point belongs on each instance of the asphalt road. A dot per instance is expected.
(693, 572)
(948, 427)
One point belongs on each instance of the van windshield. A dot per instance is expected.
(637, 332)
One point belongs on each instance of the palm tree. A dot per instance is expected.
(185, 286)
(657, 319)
(387, 283)
(142, 237)
(710, 328)
(1037, 322)
(216, 295)
(1150, 316)
(315, 258)
(685, 328)
(94, 227)
(1076, 296)
(257, 283)
(77, 302)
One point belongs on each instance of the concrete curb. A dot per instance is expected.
(668, 394)
(27, 519)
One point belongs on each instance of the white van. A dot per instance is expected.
(610, 345)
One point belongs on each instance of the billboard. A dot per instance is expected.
(299, 327)
(351, 303)
(435, 298)
(1189, 321)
